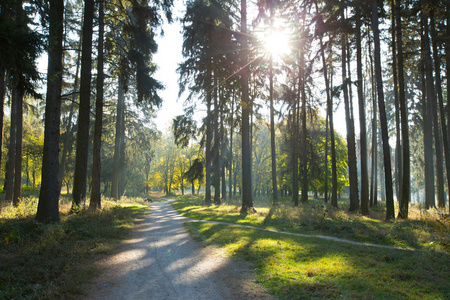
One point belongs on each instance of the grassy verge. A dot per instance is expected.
(424, 230)
(52, 261)
(308, 268)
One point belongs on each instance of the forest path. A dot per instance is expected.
(161, 261)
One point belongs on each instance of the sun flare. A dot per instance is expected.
(277, 44)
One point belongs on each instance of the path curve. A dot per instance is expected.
(161, 261)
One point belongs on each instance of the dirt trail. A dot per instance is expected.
(161, 261)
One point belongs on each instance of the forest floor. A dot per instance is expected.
(161, 261)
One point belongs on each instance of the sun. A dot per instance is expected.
(277, 44)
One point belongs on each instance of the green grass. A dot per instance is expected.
(310, 268)
(424, 230)
(52, 261)
(292, 267)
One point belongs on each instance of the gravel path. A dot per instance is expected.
(161, 261)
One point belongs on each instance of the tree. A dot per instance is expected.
(48, 206)
(95, 202)
(80, 177)
(390, 214)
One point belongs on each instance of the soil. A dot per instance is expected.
(161, 261)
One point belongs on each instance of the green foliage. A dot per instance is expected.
(51, 261)
(309, 268)
(423, 232)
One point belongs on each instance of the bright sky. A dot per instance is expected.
(167, 58)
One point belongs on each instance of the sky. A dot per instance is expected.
(167, 59)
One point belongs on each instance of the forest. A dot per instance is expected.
(277, 75)
(303, 115)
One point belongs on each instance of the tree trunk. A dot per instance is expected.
(406, 172)
(362, 119)
(19, 146)
(80, 175)
(10, 166)
(48, 206)
(247, 197)
(117, 143)
(442, 131)
(390, 214)
(2, 106)
(208, 136)
(353, 173)
(230, 156)
(95, 202)
(427, 123)
(431, 96)
(295, 168)
(302, 79)
(216, 141)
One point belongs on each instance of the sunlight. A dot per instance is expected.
(277, 44)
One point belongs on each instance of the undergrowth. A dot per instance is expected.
(51, 261)
(423, 230)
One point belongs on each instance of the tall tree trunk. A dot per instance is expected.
(247, 197)
(334, 193)
(208, 151)
(216, 140)
(272, 126)
(117, 142)
(48, 206)
(295, 124)
(443, 128)
(10, 166)
(302, 87)
(447, 59)
(230, 155)
(2, 105)
(353, 173)
(18, 161)
(122, 169)
(398, 145)
(374, 171)
(362, 118)
(95, 202)
(431, 95)
(390, 213)
(427, 124)
(80, 175)
(405, 158)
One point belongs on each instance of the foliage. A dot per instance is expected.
(307, 268)
(52, 260)
(422, 231)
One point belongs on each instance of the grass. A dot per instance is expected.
(52, 261)
(292, 267)
(423, 230)
(308, 268)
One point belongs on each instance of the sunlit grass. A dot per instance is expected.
(309, 268)
(424, 229)
(52, 261)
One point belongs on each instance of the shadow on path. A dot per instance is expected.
(161, 261)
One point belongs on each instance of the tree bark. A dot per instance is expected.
(362, 118)
(353, 173)
(11, 164)
(406, 165)
(443, 127)
(247, 196)
(80, 175)
(216, 140)
(48, 206)
(95, 202)
(390, 213)
(116, 164)
(19, 147)
(2, 106)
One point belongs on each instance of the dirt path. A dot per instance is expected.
(161, 261)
